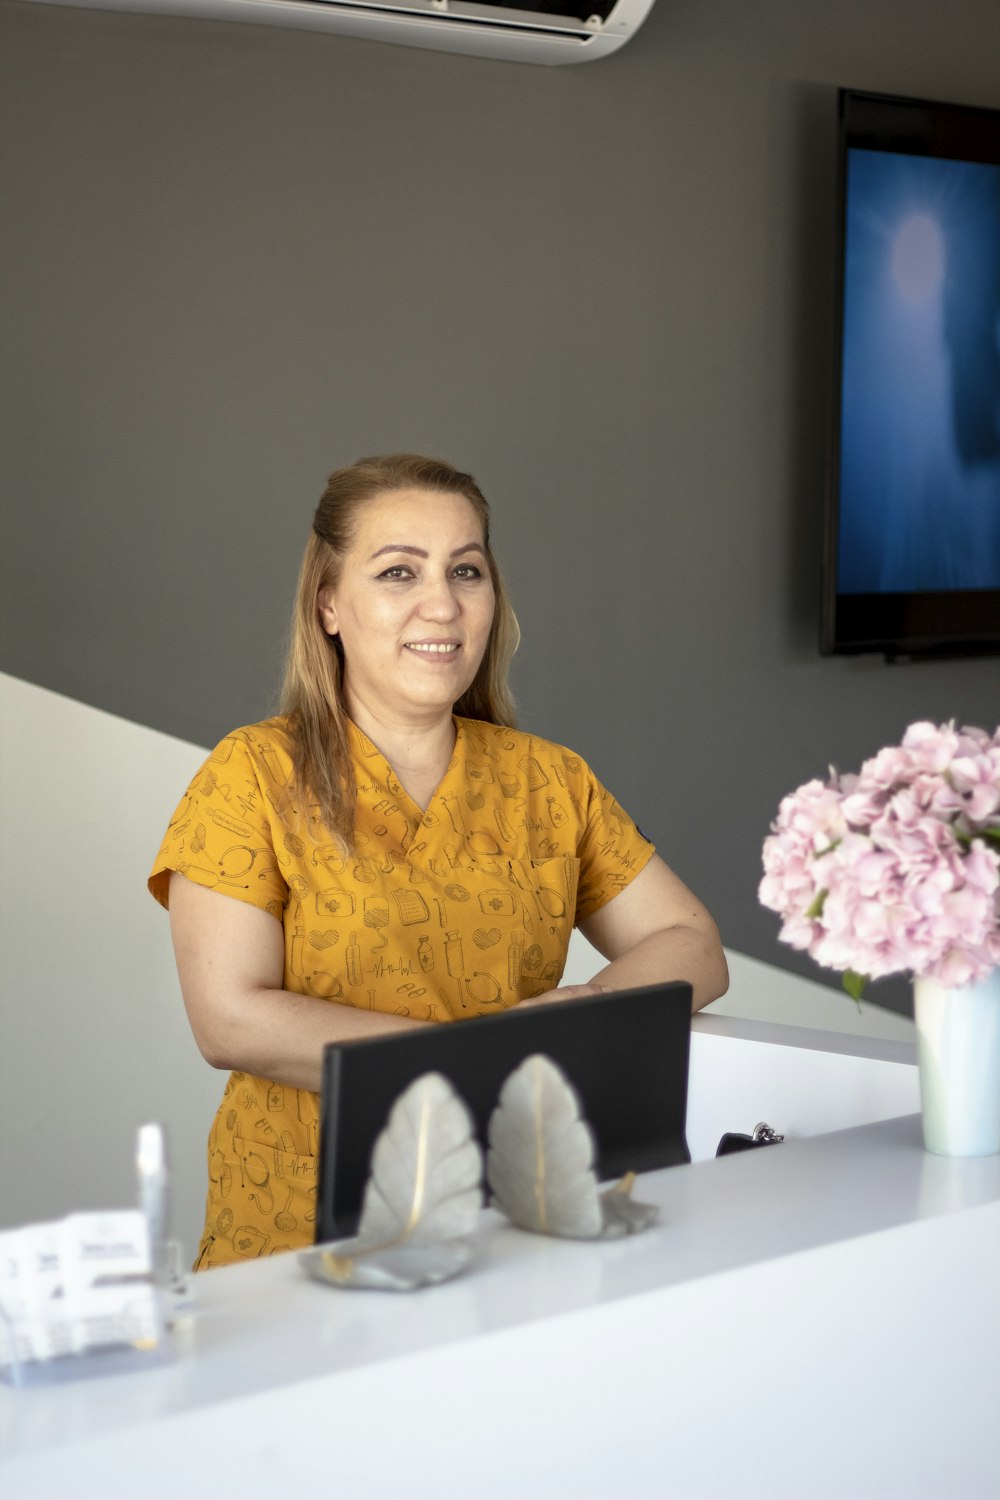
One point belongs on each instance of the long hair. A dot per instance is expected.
(313, 691)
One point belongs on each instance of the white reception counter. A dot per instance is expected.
(816, 1318)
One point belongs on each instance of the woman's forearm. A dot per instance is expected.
(230, 960)
(279, 1035)
(686, 952)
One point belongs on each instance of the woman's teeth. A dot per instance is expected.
(431, 649)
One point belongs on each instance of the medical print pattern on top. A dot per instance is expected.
(459, 911)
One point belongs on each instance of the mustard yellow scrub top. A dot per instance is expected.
(459, 911)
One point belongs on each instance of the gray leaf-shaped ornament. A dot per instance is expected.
(423, 1195)
(540, 1161)
(426, 1174)
(622, 1214)
(399, 1268)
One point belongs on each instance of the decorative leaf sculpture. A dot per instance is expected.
(540, 1153)
(422, 1198)
(540, 1161)
(622, 1214)
(398, 1268)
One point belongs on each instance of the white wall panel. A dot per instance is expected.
(93, 1035)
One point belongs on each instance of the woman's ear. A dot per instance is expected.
(327, 610)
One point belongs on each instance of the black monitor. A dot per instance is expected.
(625, 1052)
(912, 556)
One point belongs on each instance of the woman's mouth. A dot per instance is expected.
(434, 648)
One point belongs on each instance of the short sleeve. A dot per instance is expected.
(612, 851)
(221, 835)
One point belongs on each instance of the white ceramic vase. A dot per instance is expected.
(958, 1045)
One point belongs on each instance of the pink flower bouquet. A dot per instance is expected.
(897, 869)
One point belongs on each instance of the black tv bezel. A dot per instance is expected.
(963, 622)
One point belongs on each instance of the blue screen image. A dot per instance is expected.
(920, 393)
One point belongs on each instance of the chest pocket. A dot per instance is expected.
(555, 883)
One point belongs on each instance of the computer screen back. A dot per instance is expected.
(625, 1053)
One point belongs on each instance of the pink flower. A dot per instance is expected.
(976, 783)
(862, 808)
(890, 871)
(957, 968)
(972, 741)
(890, 767)
(932, 748)
(981, 867)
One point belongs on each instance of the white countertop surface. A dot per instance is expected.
(821, 1317)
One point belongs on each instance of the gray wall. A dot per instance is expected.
(236, 257)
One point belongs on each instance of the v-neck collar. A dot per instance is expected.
(370, 758)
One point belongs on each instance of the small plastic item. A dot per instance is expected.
(153, 1173)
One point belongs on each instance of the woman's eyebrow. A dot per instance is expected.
(419, 551)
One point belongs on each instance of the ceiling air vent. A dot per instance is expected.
(552, 32)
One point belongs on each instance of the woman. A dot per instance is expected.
(398, 854)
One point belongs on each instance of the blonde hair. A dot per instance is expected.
(313, 691)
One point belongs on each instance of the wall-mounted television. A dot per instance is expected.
(912, 552)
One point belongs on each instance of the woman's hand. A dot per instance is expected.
(566, 992)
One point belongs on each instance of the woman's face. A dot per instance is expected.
(413, 605)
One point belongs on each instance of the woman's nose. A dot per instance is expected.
(438, 600)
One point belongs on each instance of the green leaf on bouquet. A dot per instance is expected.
(990, 833)
(816, 909)
(854, 984)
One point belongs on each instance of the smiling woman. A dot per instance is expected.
(391, 852)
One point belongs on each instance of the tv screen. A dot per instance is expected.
(912, 561)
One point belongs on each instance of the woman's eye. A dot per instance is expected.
(402, 573)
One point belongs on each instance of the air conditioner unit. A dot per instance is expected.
(557, 31)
